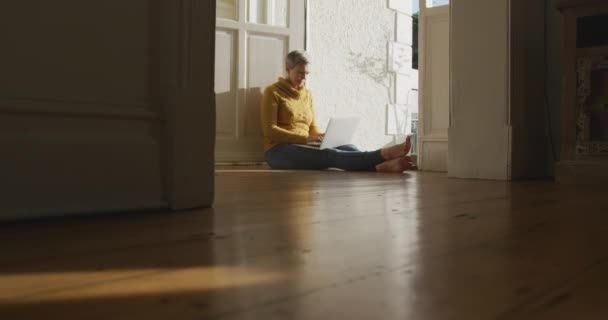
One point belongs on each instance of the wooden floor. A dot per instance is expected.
(323, 245)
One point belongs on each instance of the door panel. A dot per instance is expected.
(271, 12)
(227, 9)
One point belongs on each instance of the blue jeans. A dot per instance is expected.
(348, 157)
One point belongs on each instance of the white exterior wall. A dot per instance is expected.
(351, 44)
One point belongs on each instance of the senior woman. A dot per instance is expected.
(288, 119)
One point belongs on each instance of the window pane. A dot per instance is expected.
(227, 9)
(272, 12)
(436, 3)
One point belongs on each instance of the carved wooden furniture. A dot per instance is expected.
(584, 109)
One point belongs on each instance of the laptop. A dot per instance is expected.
(340, 131)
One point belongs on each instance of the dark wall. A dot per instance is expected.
(553, 74)
(530, 136)
(535, 77)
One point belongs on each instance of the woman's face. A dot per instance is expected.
(297, 75)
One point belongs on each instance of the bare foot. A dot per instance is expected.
(398, 150)
(407, 145)
(395, 165)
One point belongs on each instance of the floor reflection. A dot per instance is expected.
(318, 245)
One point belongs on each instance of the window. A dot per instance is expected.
(227, 9)
(436, 3)
(272, 12)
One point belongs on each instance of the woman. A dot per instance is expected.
(288, 119)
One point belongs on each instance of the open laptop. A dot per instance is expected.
(340, 131)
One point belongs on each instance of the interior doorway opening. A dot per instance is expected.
(361, 66)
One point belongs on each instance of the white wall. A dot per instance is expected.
(349, 43)
(479, 133)
(499, 125)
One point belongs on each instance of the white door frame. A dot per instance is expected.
(433, 112)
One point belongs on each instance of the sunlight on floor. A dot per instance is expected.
(24, 288)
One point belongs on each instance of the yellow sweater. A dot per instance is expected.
(287, 114)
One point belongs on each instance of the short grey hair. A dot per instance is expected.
(296, 58)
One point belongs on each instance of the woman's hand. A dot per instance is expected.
(314, 139)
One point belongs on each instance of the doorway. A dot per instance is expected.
(374, 56)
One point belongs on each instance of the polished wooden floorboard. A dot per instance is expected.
(322, 245)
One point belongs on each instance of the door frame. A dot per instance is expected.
(186, 84)
(432, 145)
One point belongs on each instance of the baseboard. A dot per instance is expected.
(582, 171)
(241, 157)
